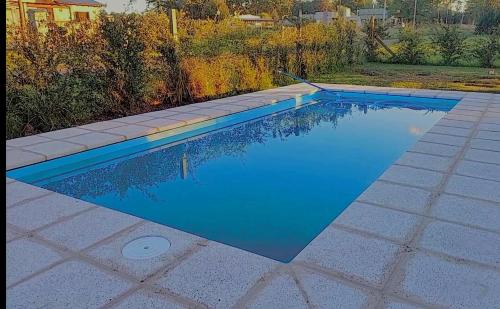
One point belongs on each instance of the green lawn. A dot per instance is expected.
(417, 76)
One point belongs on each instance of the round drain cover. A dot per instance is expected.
(145, 247)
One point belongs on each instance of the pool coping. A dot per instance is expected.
(454, 163)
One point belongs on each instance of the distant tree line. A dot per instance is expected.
(434, 11)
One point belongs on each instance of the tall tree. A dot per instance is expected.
(197, 9)
(404, 9)
(476, 8)
(326, 5)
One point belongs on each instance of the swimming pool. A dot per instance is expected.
(267, 180)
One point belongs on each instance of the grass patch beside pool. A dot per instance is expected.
(416, 76)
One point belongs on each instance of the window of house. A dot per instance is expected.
(82, 16)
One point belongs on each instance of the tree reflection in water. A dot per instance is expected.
(156, 166)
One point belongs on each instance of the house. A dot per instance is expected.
(257, 21)
(36, 13)
(326, 17)
(379, 14)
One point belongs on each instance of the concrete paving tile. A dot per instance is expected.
(96, 139)
(483, 156)
(102, 125)
(474, 102)
(392, 224)
(9, 180)
(162, 124)
(26, 257)
(450, 95)
(473, 187)
(465, 112)
(184, 108)
(492, 114)
(441, 282)
(461, 117)
(450, 130)
(435, 149)
(16, 158)
(148, 299)
(55, 149)
(419, 160)
(485, 144)
(355, 256)
(207, 104)
(378, 90)
(10, 234)
(455, 123)
(26, 141)
(45, 210)
(72, 284)
(462, 242)
(280, 292)
(427, 93)
(132, 131)
(478, 169)
(479, 95)
(470, 107)
(489, 127)
(397, 304)
(64, 133)
(326, 292)
(412, 176)
(231, 108)
(17, 192)
(240, 98)
(110, 253)
(160, 114)
(75, 233)
(134, 119)
(444, 139)
(402, 92)
(189, 118)
(252, 103)
(492, 120)
(396, 196)
(218, 275)
(212, 113)
(488, 135)
(281, 97)
(467, 211)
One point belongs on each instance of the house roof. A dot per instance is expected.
(80, 2)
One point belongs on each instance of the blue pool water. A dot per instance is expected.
(268, 180)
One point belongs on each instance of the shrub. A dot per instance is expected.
(410, 49)
(129, 63)
(54, 81)
(449, 43)
(486, 50)
(225, 74)
(489, 22)
(125, 63)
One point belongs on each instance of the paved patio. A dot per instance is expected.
(426, 234)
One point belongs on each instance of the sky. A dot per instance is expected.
(119, 6)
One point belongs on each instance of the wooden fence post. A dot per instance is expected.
(173, 24)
